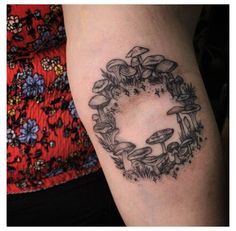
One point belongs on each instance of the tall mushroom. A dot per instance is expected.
(136, 53)
(123, 149)
(191, 110)
(114, 66)
(98, 102)
(176, 110)
(160, 137)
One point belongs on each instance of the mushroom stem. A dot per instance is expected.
(194, 120)
(140, 66)
(163, 146)
(102, 114)
(126, 162)
(179, 120)
(117, 74)
(113, 135)
(178, 89)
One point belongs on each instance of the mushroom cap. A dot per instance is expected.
(139, 153)
(172, 146)
(102, 127)
(191, 108)
(152, 60)
(150, 160)
(128, 71)
(134, 62)
(100, 85)
(123, 147)
(147, 73)
(98, 101)
(160, 136)
(174, 110)
(186, 142)
(115, 63)
(179, 79)
(166, 66)
(136, 51)
(182, 97)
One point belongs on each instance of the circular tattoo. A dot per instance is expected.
(151, 74)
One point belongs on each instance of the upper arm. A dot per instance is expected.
(139, 93)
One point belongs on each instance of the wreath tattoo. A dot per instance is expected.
(152, 74)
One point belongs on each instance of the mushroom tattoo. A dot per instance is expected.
(160, 137)
(192, 110)
(99, 102)
(123, 149)
(155, 75)
(176, 110)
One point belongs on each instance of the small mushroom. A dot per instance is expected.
(140, 153)
(136, 64)
(98, 102)
(114, 66)
(191, 110)
(166, 66)
(178, 82)
(173, 150)
(128, 72)
(104, 129)
(176, 110)
(151, 61)
(160, 137)
(101, 86)
(183, 153)
(155, 162)
(137, 52)
(187, 143)
(123, 149)
(146, 73)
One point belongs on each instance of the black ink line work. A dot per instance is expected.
(152, 74)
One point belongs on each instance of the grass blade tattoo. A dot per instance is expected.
(153, 74)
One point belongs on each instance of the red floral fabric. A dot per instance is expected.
(46, 141)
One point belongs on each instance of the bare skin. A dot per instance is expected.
(99, 34)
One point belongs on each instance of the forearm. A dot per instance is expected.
(97, 35)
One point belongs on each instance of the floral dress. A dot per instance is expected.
(46, 141)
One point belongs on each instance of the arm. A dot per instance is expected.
(149, 119)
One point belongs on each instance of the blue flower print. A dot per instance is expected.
(33, 85)
(28, 133)
(72, 110)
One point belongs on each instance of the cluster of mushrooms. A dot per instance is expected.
(142, 72)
